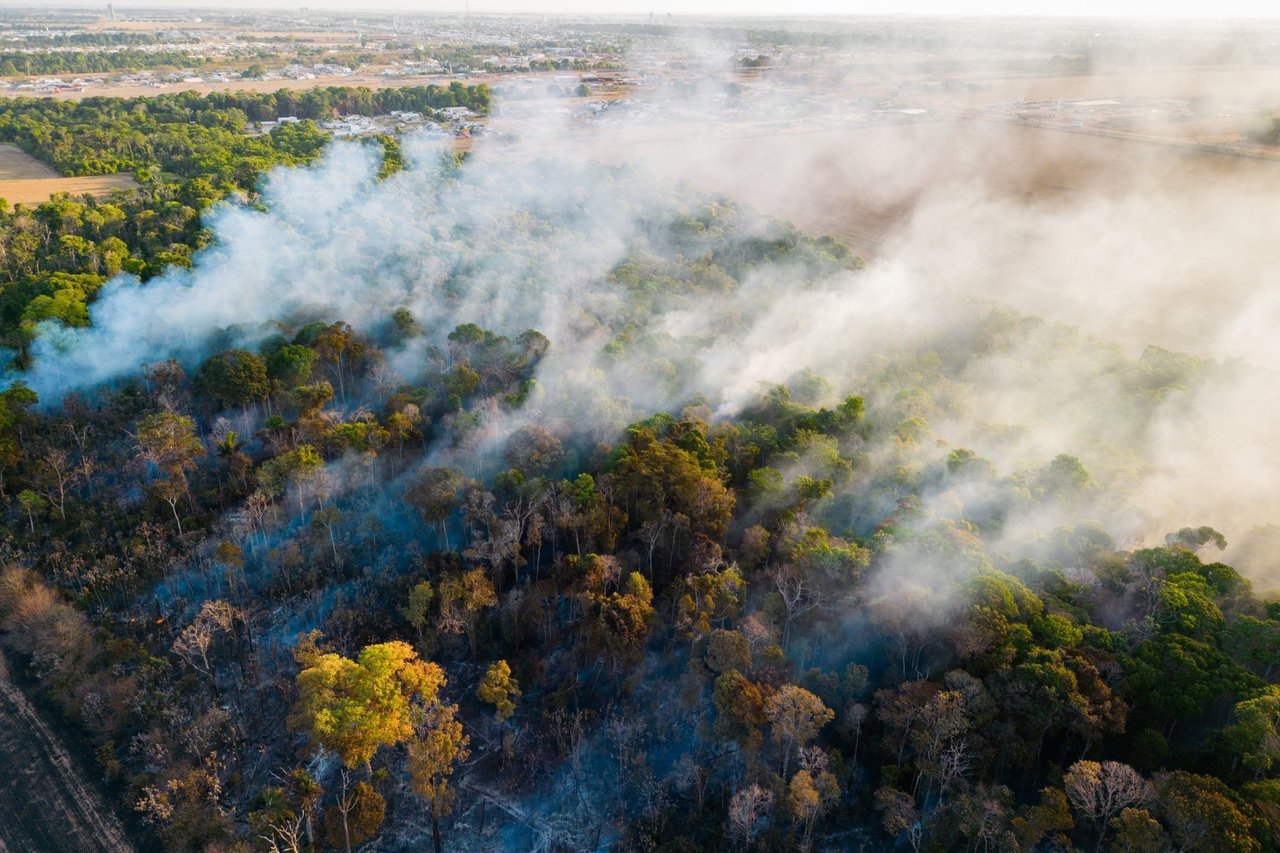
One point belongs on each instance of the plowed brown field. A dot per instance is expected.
(25, 180)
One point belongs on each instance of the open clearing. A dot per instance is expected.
(40, 189)
(36, 191)
(45, 804)
(25, 180)
(16, 164)
(373, 79)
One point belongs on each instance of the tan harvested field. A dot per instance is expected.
(25, 180)
(106, 23)
(374, 81)
(144, 26)
(16, 164)
(36, 191)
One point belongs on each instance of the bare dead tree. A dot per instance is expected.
(384, 379)
(746, 808)
(1102, 791)
(798, 595)
(55, 474)
(285, 837)
(953, 763)
(650, 534)
(196, 640)
(346, 803)
(87, 463)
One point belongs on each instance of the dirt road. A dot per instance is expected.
(46, 803)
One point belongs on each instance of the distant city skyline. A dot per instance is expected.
(772, 8)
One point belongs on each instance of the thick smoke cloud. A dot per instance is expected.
(1155, 256)
(335, 243)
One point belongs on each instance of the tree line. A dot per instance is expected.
(32, 63)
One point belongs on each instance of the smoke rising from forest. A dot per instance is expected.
(1159, 260)
(704, 517)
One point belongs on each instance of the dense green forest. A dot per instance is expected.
(103, 39)
(480, 545)
(16, 63)
(199, 136)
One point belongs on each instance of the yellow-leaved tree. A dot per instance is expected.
(439, 745)
(355, 706)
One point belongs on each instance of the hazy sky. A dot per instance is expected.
(1074, 8)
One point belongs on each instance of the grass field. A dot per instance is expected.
(25, 180)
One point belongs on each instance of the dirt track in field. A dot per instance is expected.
(45, 804)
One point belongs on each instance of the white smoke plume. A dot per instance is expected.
(1161, 256)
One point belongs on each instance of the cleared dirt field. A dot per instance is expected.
(25, 180)
(121, 91)
(151, 26)
(371, 78)
(36, 191)
(45, 804)
(143, 26)
(16, 164)
(375, 81)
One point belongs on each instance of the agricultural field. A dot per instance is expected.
(18, 165)
(123, 90)
(25, 180)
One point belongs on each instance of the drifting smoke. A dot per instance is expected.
(973, 230)
(523, 239)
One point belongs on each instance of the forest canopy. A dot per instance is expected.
(547, 505)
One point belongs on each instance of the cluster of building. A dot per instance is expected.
(298, 71)
(454, 121)
(413, 68)
(146, 79)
